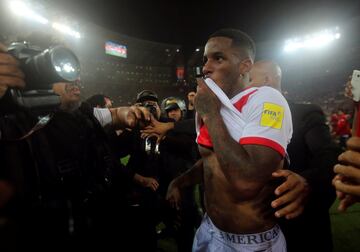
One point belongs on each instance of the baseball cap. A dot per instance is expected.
(147, 95)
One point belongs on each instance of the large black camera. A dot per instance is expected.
(42, 69)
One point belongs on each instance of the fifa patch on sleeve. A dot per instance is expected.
(272, 115)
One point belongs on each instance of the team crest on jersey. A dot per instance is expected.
(272, 115)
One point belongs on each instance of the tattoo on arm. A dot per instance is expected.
(246, 162)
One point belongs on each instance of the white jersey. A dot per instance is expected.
(257, 115)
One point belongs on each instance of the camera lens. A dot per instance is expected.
(65, 63)
(43, 68)
(57, 64)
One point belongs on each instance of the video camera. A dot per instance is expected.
(42, 69)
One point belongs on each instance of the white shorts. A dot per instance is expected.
(209, 238)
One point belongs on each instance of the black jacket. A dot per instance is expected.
(62, 175)
(312, 155)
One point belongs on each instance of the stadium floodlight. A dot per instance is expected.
(66, 29)
(312, 41)
(20, 9)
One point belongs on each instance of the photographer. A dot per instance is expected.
(55, 178)
(144, 161)
(150, 159)
(178, 153)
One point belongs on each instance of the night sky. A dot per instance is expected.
(189, 23)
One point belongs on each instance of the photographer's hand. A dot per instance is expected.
(149, 182)
(347, 180)
(130, 117)
(10, 74)
(348, 92)
(156, 127)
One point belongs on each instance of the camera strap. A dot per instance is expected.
(42, 122)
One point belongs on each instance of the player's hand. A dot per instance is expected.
(173, 195)
(206, 102)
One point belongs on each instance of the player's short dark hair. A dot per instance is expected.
(239, 39)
